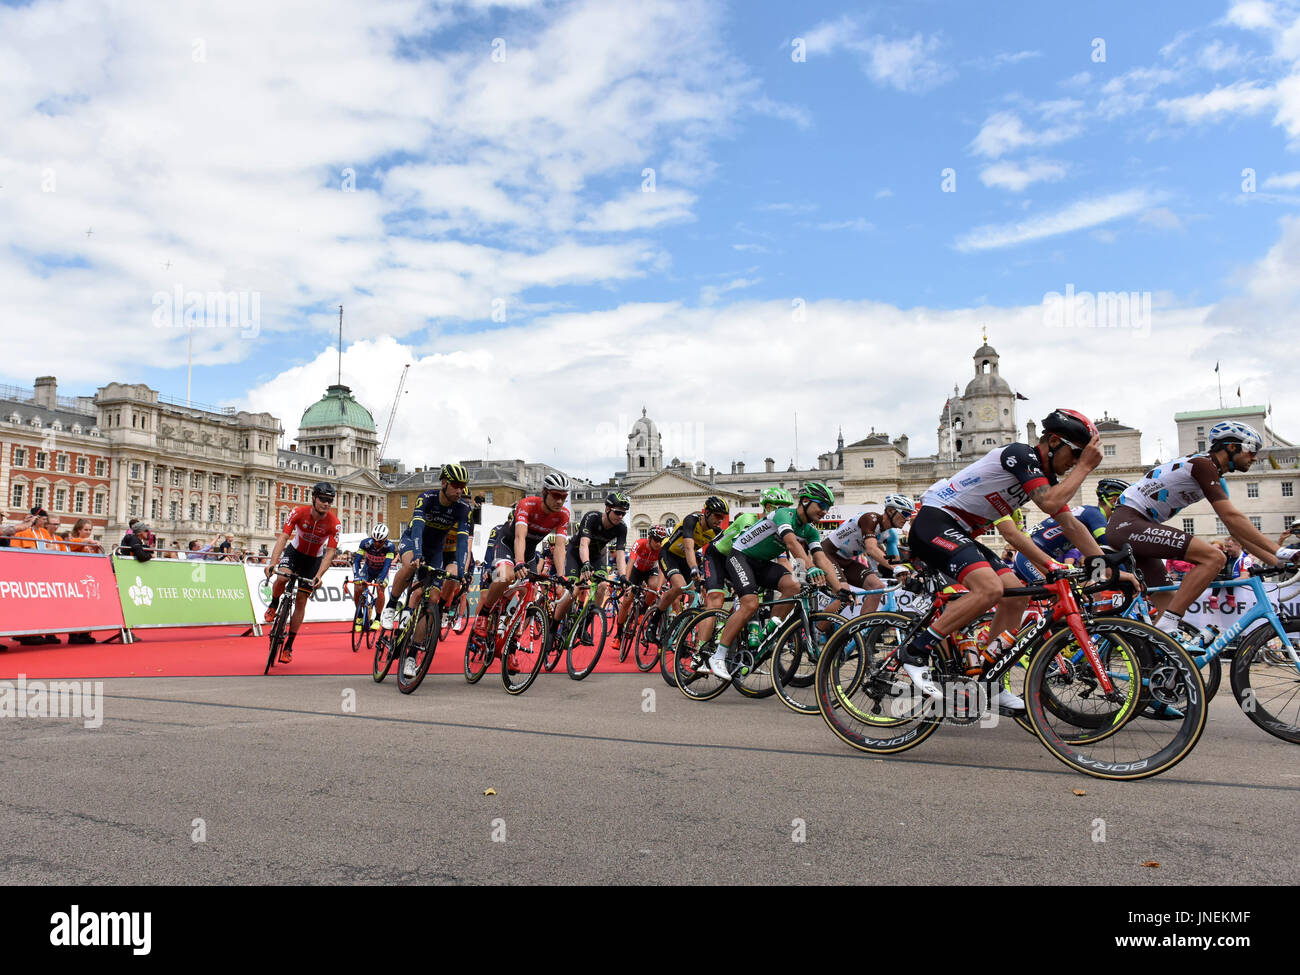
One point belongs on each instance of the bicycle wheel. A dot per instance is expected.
(462, 614)
(358, 635)
(280, 628)
(586, 643)
(368, 626)
(754, 678)
(384, 657)
(479, 649)
(864, 695)
(1266, 682)
(426, 628)
(794, 661)
(1129, 744)
(645, 651)
(527, 642)
(693, 645)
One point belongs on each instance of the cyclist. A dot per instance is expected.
(955, 511)
(596, 532)
(1138, 519)
(1049, 540)
(531, 520)
(751, 564)
(371, 564)
(680, 560)
(1236, 566)
(643, 571)
(864, 536)
(305, 547)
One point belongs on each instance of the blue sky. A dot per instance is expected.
(498, 155)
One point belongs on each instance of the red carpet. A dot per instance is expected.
(320, 648)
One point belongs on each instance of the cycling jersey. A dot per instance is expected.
(432, 521)
(850, 538)
(592, 527)
(1168, 489)
(312, 534)
(643, 557)
(994, 486)
(694, 526)
(890, 540)
(375, 557)
(765, 539)
(1051, 538)
(727, 539)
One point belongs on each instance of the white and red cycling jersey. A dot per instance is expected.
(312, 534)
(995, 485)
(643, 557)
(532, 512)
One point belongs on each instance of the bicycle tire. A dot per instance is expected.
(590, 624)
(480, 650)
(667, 658)
(1134, 746)
(645, 652)
(280, 627)
(358, 635)
(794, 662)
(1265, 681)
(384, 658)
(425, 648)
(873, 707)
(535, 628)
(690, 655)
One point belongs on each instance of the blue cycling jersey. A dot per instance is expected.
(433, 519)
(375, 557)
(1051, 539)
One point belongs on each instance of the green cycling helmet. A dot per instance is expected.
(819, 492)
(779, 497)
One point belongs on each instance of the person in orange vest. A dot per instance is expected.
(36, 535)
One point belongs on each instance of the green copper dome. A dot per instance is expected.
(337, 407)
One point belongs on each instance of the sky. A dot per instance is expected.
(747, 218)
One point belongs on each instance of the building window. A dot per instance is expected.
(38, 496)
(283, 492)
(294, 493)
(1200, 446)
(155, 508)
(1288, 488)
(261, 517)
(196, 480)
(18, 496)
(868, 462)
(345, 524)
(1252, 489)
(230, 516)
(194, 511)
(1219, 528)
(99, 504)
(176, 478)
(1254, 522)
(157, 474)
(60, 499)
(79, 503)
(135, 470)
(40, 460)
(1189, 526)
(1200, 431)
(402, 501)
(212, 512)
(133, 507)
(173, 510)
(1108, 450)
(81, 465)
(61, 463)
(20, 457)
(100, 468)
(487, 499)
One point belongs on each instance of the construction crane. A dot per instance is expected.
(401, 384)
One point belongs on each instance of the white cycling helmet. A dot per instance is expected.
(901, 503)
(379, 532)
(556, 481)
(1231, 431)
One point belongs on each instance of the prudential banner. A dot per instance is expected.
(172, 592)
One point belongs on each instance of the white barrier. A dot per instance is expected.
(1200, 615)
(327, 604)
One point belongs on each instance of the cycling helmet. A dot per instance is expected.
(900, 502)
(658, 532)
(379, 532)
(1231, 431)
(617, 499)
(818, 492)
(779, 497)
(715, 503)
(555, 481)
(454, 473)
(1109, 487)
(323, 489)
(1074, 429)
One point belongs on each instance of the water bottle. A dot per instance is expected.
(753, 633)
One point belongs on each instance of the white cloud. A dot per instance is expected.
(908, 64)
(1217, 56)
(1283, 181)
(1016, 176)
(1242, 98)
(782, 110)
(1252, 15)
(710, 293)
(1077, 216)
(857, 224)
(1162, 218)
(639, 210)
(786, 207)
(1004, 132)
(884, 193)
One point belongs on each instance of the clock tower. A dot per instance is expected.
(988, 407)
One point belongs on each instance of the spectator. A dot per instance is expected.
(196, 552)
(37, 534)
(81, 539)
(227, 543)
(136, 539)
(7, 531)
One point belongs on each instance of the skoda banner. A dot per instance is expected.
(172, 592)
(327, 604)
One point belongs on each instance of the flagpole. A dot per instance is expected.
(1219, 376)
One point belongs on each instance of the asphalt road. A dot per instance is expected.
(598, 783)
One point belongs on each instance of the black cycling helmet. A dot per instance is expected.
(716, 504)
(1074, 429)
(454, 474)
(323, 489)
(1110, 487)
(619, 500)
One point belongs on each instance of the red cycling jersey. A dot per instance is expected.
(643, 557)
(312, 535)
(531, 512)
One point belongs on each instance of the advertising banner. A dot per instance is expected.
(175, 592)
(56, 592)
(1199, 613)
(327, 604)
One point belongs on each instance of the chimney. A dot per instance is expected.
(699, 468)
(769, 465)
(740, 467)
(1032, 430)
(733, 467)
(293, 448)
(713, 475)
(46, 387)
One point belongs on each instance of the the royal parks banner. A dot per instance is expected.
(173, 592)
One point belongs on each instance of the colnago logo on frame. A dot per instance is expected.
(113, 929)
(53, 699)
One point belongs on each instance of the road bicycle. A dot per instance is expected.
(284, 613)
(456, 616)
(518, 630)
(363, 633)
(581, 633)
(635, 638)
(419, 629)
